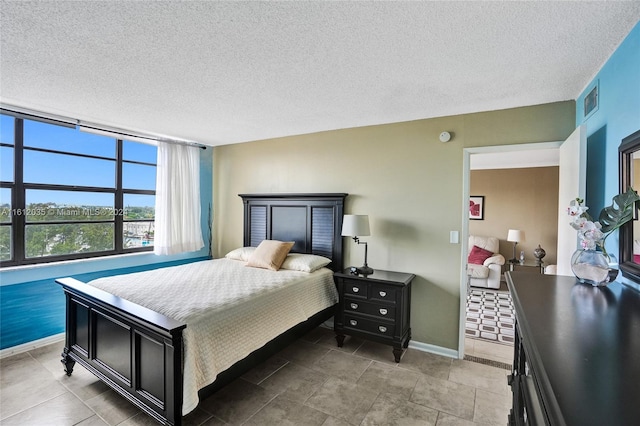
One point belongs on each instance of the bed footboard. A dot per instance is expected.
(134, 350)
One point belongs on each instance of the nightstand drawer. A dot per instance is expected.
(382, 311)
(355, 289)
(383, 293)
(380, 328)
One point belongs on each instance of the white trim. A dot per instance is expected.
(32, 112)
(35, 344)
(438, 350)
(69, 262)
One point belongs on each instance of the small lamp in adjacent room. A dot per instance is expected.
(515, 236)
(357, 225)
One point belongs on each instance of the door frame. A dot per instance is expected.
(464, 252)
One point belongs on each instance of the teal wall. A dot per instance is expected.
(32, 304)
(617, 116)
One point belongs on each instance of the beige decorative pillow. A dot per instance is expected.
(269, 254)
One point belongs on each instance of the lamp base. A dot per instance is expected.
(364, 270)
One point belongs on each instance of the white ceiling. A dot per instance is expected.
(227, 72)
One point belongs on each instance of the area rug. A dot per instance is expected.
(490, 316)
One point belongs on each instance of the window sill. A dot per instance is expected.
(72, 262)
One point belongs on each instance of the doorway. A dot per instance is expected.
(498, 161)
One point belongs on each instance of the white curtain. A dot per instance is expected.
(177, 227)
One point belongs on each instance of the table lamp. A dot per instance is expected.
(515, 236)
(357, 225)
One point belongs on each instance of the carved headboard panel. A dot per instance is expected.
(312, 221)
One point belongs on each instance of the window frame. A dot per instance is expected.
(18, 188)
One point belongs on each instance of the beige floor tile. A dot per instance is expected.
(237, 401)
(341, 365)
(426, 363)
(491, 409)
(469, 346)
(393, 411)
(344, 400)
(82, 383)
(284, 412)
(378, 352)
(445, 419)
(295, 382)
(213, 422)
(265, 369)
(50, 356)
(94, 420)
(350, 344)
(63, 410)
(317, 334)
(303, 353)
(197, 417)
(333, 421)
(389, 379)
(480, 376)
(494, 351)
(140, 419)
(16, 368)
(26, 384)
(444, 395)
(113, 408)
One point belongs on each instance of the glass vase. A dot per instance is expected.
(591, 267)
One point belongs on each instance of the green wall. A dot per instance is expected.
(403, 177)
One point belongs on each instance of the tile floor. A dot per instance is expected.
(311, 382)
(488, 350)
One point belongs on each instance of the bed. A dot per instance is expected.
(149, 353)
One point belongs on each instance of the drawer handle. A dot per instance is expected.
(383, 311)
(354, 306)
(382, 329)
(355, 289)
(353, 322)
(383, 294)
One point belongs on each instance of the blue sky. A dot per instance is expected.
(43, 167)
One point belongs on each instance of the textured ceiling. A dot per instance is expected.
(227, 72)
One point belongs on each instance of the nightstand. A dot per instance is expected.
(375, 307)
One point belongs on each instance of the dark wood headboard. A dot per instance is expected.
(312, 221)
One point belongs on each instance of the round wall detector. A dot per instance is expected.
(445, 137)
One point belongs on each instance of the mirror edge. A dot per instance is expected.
(628, 146)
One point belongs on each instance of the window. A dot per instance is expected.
(66, 194)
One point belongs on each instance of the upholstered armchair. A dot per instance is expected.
(484, 264)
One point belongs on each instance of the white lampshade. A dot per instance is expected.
(355, 225)
(515, 235)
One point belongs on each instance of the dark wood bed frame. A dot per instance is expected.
(138, 352)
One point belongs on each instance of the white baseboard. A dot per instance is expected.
(438, 350)
(25, 347)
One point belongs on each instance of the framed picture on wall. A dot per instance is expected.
(476, 207)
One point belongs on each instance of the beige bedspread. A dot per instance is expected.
(230, 309)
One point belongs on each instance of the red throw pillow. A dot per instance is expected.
(479, 255)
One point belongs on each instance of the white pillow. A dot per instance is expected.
(241, 253)
(304, 262)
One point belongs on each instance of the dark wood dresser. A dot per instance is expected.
(375, 307)
(576, 353)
